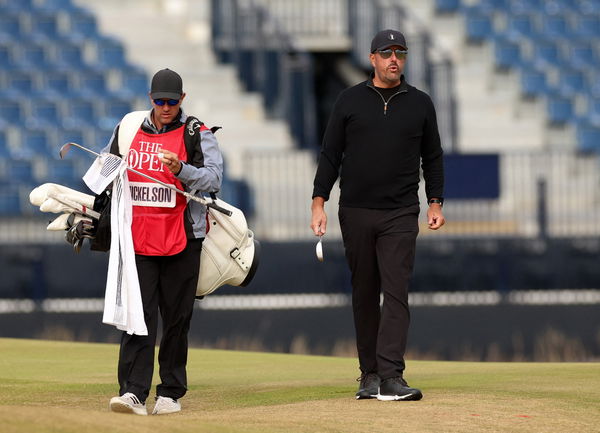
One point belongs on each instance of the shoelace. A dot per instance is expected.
(364, 377)
(399, 380)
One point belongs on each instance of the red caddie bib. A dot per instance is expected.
(157, 227)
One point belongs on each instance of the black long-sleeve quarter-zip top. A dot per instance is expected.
(376, 146)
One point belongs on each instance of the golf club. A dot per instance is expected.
(67, 146)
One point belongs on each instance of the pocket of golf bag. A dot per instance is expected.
(101, 241)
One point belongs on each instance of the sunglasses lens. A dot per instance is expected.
(386, 54)
(170, 102)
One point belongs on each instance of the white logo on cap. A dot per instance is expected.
(391, 36)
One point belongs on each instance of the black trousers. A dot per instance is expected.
(168, 285)
(380, 250)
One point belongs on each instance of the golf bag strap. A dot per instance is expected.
(237, 256)
(129, 126)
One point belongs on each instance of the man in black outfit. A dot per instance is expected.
(379, 132)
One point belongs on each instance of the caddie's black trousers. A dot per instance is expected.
(380, 250)
(168, 285)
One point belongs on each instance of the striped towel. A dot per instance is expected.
(123, 306)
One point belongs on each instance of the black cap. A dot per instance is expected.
(387, 38)
(166, 84)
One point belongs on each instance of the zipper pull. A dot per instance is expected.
(384, 108)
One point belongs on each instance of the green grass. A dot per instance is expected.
(48, 386)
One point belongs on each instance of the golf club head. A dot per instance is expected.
(64, 150)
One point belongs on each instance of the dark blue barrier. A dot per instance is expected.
(55, 271)
(471, 176)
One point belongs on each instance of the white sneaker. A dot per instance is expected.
(165, 405)
(128, 403)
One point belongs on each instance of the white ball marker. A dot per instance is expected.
(319, 249)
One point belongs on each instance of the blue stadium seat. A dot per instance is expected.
(580, 55)
(44, 26)
(560, 110)
(571, 81)
(478, 26)
(4, 151)
(114, 110)
(20, 171)
(63, 171)
(524, 6)
(533, 83)
(546, 53)
(519, 26)
(110, 54)
(588, 7)
(69, 56)
(587, 26)
(12, 111)
(555, 26)
(588, 137)
(92, 84)
(57, 6)
(447, 6)
(593, 111)
(74, 135)
(44, 113)
(35, 143)
(58, 84)
(489, 6)
(18, 6)
(82, 26)
(7, 59)
(103, 136)
(507, 54)
(557, 7)
(11, 27)
(80, 112)
(134, 83)
(10, 201)
(33, 55)
(20, 84)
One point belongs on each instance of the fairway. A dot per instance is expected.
(49, 386)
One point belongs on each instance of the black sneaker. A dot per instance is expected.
(369, 386)
(396, 388)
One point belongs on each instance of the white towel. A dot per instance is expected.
(123, 306)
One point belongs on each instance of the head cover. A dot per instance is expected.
(387, 38)
(166, 84)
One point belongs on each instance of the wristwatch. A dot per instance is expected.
(439, 201)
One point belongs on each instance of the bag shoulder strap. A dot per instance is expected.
(128, 127)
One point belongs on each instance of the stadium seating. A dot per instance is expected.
(55, 69)
(552, 45)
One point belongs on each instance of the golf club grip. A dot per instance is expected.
(219, 208)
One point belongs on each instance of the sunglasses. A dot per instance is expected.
(171, 102)
(386, 54)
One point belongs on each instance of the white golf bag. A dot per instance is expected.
(229, 251)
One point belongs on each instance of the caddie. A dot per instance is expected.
(167, 233)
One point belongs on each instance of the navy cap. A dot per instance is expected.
(387, 38)
(166, 84)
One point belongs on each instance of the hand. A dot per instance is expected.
(170, 160)
(435, 218)
(318, 222)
